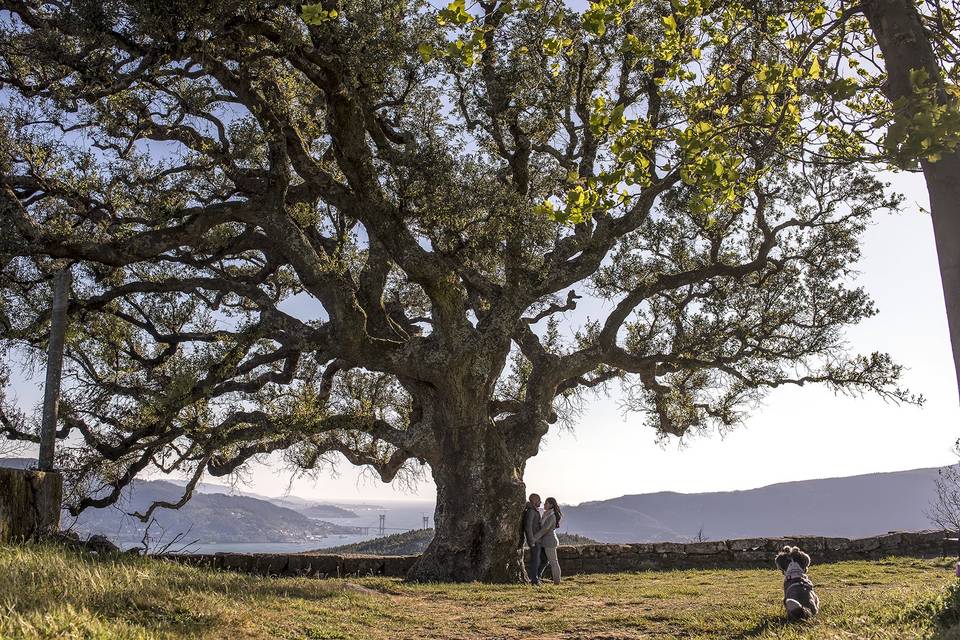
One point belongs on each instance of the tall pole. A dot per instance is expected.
(51, 390)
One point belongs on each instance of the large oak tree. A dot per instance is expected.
(353, 230)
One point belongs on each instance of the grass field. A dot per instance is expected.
(46, 592)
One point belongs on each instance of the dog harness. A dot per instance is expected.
(796, 584)
(799, 586)
(794, 570)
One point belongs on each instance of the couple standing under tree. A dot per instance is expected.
(540, 533)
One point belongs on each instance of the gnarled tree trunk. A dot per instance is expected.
(480, 498)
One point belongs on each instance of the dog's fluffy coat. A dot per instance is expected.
(799, 598)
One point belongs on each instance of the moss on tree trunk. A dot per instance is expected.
(477, 527)
(480, 498)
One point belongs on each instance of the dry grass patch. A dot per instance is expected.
(47, 592)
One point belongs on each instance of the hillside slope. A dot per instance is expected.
(209, 517)
(852, 507)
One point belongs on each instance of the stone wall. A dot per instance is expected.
(607, 558)
(746, 553)
(312, 565)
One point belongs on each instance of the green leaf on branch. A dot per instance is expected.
(456, 13)
(817, 15)
(670, 23)
(315, 14)
(426, 52)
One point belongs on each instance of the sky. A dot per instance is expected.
(798, 433)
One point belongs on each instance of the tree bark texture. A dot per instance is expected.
(906, 46)
(480, 499)
(29, 504)
(51, 390)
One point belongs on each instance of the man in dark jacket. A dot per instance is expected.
(531, 524)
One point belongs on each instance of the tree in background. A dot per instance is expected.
(944, 511)
(359, 230)
(11, 418)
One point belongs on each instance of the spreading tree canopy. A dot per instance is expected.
(357, 229)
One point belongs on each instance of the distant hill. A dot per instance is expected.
(853, 507)
(210, 517)
(18, 463)
(315, 509)
(414, 542)
(308, 508)
(397, 544)
(574, 539)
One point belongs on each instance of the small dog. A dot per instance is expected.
(799, 598)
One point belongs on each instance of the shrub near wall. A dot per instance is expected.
(605, 558)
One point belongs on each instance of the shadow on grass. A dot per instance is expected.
(149, 594)
(942, 611)
(951, 633)
(767, 624)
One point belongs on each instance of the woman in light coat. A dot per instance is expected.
(547, 535)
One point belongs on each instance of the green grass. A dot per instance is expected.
(47, 592)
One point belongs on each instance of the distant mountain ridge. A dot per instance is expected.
(209, 517)
(308, 508)
(853, 507)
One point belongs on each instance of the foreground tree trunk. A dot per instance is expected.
(943, 184)
(480, 499)
(29, 504)
(906, 46)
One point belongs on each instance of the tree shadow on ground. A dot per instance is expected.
(765, 625)
(947, 633)
(153, 601)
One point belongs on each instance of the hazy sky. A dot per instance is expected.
(799, 433)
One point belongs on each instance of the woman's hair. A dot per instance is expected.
(551, 503)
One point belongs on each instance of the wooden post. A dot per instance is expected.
(51, 391)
